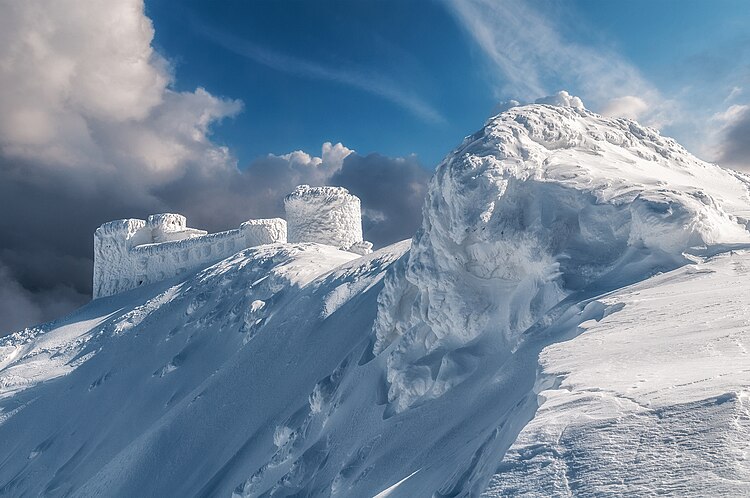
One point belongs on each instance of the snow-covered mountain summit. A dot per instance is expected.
(569, 320)
(545, 204)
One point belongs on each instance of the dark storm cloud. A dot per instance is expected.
(734, 144)
(392, 191)
(46, 248)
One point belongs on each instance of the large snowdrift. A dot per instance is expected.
(652, 399)
(576, 297)
(543, 202)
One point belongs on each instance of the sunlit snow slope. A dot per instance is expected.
(571, 320)
(652, 399)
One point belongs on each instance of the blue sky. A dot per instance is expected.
(404, 78)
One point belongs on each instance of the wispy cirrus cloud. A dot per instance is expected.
(533, 58)
(362, 79)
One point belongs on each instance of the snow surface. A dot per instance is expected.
(572, 319)
(325, 215)
(652, 399)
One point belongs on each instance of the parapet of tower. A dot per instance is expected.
(132, 252)
(326, 215)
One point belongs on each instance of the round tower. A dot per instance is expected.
(325, 215)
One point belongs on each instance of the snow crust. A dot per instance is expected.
(543, 202)
(325, 215)
(130, 253)
(570, 320)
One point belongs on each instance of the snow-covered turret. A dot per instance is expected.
(132, 252)
(166, 227)
(326, 215)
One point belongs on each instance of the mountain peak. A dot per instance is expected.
(544, 202)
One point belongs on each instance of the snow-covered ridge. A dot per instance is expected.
(543, 202)
(130, 253)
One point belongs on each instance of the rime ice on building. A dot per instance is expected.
(130, 253)
(326, 215)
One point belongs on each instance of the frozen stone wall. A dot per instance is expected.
(326, 215)
(130, 253)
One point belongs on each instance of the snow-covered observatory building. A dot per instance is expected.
(132, 252)
(326, 215)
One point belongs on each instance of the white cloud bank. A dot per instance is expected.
(731, 140)
(82, 88)
(562, 99)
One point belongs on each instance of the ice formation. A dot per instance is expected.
(130, 253)
(326, 215)
(543, 202)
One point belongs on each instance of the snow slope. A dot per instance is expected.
(638, 406)
(571, 319)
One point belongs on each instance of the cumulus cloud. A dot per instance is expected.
(91, 130)
(533, 57)
(84, 90)
(562, 99)
(391, 190)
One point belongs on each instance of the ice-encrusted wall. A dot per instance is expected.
(326, 215)
(132, 252)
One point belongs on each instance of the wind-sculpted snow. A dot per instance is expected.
(570, 320)
(542, 202)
